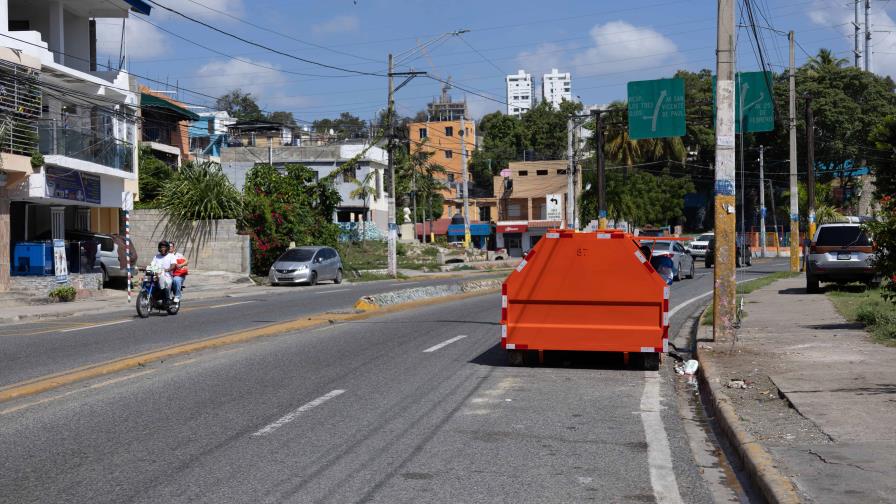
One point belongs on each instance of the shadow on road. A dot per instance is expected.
(555, 359)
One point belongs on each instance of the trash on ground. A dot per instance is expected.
(690, 367)
(736, 384)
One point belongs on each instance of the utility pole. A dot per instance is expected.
(724, 300)
(794, 190)
(762, 240)
(601, 170)
(463, 162)
(570, 176)
(867, 36)
(771, 194)
(744, 248)
(857, 30)
(392, 260)
(810, 164)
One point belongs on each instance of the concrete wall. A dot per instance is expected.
(212, 246)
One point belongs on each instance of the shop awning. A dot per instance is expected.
(516, 227)
(152, 101)
(481, 229)
(544, 224)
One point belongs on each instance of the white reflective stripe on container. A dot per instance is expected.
(510, 346)
(503, 301)
(503, 332)
(640, 256)
(666, 292)
(665, 319)
(665, 345)
(647, 349)
(603, 236)
(521, 266)
(552, 235)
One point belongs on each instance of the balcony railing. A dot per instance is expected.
(55, 139)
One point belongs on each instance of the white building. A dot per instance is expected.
(82, 120)
(519, 93)
(556, 87)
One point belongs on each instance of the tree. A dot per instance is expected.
(153, 174)
(241, 105)
(618, 146)
(344, 126)
(282, 117)
(200, 192)
(884, 138)
(884, 232)
(544, 129)
(825, 61)
(503, 142)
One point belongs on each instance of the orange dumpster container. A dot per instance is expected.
(586, 292)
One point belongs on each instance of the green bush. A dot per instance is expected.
(63, 293)
(200, 192)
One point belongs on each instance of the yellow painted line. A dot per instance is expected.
(60, 396)
(45, 383)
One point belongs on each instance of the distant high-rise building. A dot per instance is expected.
(556, 87)
(519, 93)
(444, 108)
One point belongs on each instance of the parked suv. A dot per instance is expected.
(697, 246)
(744, 256)
(840, 253)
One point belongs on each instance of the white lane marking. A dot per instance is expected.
(332, 290)
(659, 455)
(70, 392)
(228, 304)
(292, 415)
(96, 325)
(444, 343)
(681, 305)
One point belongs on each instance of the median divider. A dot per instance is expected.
(366, 307)
(756, 460)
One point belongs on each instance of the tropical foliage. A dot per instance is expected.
(199, 192)
(153, 173)
(884, 232)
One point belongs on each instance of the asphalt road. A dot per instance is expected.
(416, 406)
(38, 349)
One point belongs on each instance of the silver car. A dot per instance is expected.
(682, 262)
(306, 265)
(840, 253)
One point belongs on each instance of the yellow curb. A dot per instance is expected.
(45, 383)
(757, 461)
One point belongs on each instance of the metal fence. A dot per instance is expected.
(20, 108)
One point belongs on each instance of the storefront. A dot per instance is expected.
(479, 234)
(513, 236)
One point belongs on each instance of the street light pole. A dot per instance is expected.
(392, 260)
(601, 170)
(762, 239)
(794, 190)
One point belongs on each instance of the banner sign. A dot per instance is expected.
(72, 185)
(60, 264)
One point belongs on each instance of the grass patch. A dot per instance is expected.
(748, 287)
(869, 308)
(371, 255)
(375, 277)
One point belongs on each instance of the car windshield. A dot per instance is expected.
(832, 236)
(297, 255)
(657, 245)
(704, 238)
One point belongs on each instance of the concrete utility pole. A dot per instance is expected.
(601, 170)
(867, 36)
(794, 190)
(463, 162)
(810, 164)
(857, 30)
(392, 260)
(724, 301)
(762, 239)
(570, 176)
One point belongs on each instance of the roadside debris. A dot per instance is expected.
(736, 384)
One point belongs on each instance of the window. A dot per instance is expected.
(541, 172)
(422, 133)
(561, 172)
(485, 214)
(449, 154)
(844, 236)
(524, 173)
(513, 210)
(449, 131)
(450, 178)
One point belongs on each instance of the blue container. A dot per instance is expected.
(32, 258)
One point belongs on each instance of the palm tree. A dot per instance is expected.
(825, 61)
(618, 146)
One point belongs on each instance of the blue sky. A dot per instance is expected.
(604, 44)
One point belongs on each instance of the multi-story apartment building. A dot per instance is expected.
(164, 127)
(556, 87)
(519, 93)
(68, 127)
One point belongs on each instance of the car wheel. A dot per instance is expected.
(338, 279)
(313, 279)
(707, 263)
(812, 283)
(693, 272)
(105, 274)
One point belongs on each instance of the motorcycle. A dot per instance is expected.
(153, 297)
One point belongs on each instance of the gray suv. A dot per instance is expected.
(306, 265)
(840, 253)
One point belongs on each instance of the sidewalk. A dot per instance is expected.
(820, 395)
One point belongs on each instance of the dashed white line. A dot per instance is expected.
(332, 290)
(228, 304)
(82, 328)
(292, 415)
(444, 343)
(659, 455)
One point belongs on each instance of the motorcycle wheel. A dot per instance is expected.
(144, 304)
(173, 308)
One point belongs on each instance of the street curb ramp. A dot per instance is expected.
(756, 460)
(382, 304)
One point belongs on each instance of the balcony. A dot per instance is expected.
(86, 146)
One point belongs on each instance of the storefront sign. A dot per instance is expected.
(475, 230)
(513, 228)
(72, 185)
(59, 262)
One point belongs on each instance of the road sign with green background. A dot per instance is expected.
(752, 93)
(656, 109)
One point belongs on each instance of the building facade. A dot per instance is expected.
(69, 127)
(519, 93)
(164, 127)
(522, 203)
(556, 87)
(446, 140)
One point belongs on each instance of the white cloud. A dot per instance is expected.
(144, 41)
(540, 61)
(840, 18)
(271, 87)
(338, 24)
(622, 47)
(194, 9)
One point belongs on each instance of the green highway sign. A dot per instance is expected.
(752, 94)
(656, 109)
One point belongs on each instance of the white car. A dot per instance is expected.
(697, 246)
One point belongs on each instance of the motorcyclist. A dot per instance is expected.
(180, 271)
(164, 263)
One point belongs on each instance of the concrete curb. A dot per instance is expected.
(757, 461)
(435, 292)
(46, 383)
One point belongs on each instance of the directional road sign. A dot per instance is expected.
(752, 94)
(656, 109)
